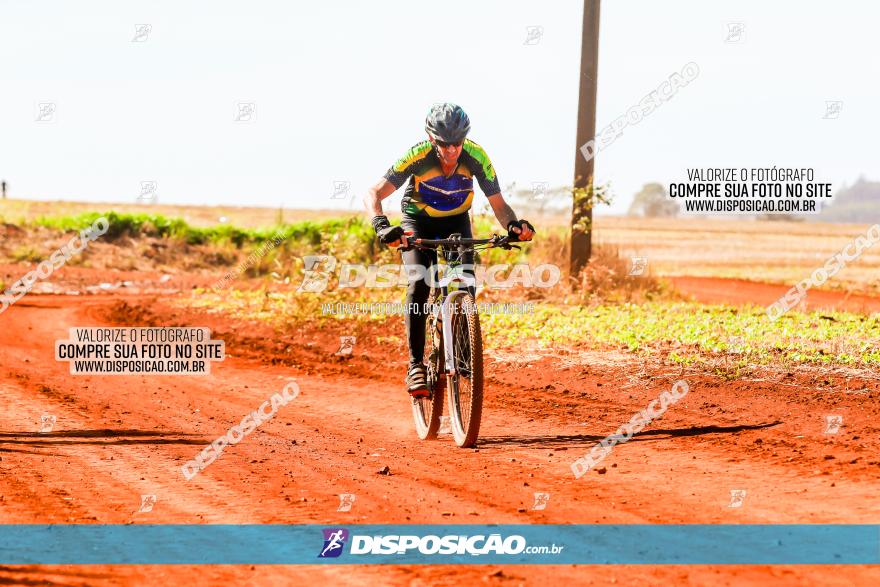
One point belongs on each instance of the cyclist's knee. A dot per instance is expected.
(418, 290)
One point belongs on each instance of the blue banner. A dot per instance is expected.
(421, 544)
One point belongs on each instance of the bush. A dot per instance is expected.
(27, 253)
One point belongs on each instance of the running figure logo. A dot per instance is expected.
(832, 109)
(833, 424)
(540, 189)
(541, 501)
(45, 112)
(147, 503)
(148, 191)
(735, 32)
(534, 34)
(346, 500)
(334, 540)
(340, 189)
(47, 422)
(346, 346)
(316, 272)
(639, 264)
(737, 497)
(245, 112)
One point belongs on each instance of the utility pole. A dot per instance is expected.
(582, 210)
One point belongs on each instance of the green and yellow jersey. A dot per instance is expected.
(430, 192)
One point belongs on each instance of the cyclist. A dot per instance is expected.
(435, 204)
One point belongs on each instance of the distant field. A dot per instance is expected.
(776, 252)
(246, 217)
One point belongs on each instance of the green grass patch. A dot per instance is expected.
(680, 332)
(691, 333)
(282, 309)
(322, 236)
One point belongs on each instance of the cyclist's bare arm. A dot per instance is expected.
(506, 215)
(373, 201)
(375, 195)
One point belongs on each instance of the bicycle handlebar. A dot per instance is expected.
(503, 242)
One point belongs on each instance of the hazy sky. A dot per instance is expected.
(341, 90)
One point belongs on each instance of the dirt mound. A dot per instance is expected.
(121, 313)
(11, 231)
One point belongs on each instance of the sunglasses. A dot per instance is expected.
(445, 145)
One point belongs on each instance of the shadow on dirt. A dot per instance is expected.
(101, 437)
(567, 440)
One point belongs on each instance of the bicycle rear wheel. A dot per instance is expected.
(465, 387)
(427, 410)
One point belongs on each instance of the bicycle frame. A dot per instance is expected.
(446, 319)
(460, 349)
(449, 297)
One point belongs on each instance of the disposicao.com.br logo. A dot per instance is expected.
(334, 541)
(476, 545)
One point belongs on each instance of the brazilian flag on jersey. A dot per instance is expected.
(430, 192)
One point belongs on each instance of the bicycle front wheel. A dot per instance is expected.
(466, 384)
(427, 410)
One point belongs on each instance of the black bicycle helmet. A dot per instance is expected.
(447, 123)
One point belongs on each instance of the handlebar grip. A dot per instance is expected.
(405, 241)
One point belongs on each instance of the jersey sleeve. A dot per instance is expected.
(484, 172)
(402, 169)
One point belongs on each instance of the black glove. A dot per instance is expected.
(390, 234)
(380, 222)
(512, 236)
(384, 230)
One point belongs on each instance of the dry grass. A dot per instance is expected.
(609, 277)
(768, 251)
(775, 252)
(16, 211)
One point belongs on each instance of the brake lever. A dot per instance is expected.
(405, 241)
(505, 244)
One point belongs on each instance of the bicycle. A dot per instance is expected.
(453, 344)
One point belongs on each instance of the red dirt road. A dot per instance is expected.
(716, 290)
(117, 438)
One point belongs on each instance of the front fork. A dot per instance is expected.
(446, 317)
